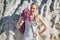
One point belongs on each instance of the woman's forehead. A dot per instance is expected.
(33, 6)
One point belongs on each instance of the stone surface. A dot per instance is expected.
(10, 11)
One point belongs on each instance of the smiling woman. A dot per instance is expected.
(10, 11)
(32, 20)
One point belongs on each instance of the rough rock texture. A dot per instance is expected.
(10, 11)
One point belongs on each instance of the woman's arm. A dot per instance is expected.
(19, 23)
(45, 25)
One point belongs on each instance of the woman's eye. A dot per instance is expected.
(33, 8)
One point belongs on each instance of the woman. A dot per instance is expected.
(32, 24)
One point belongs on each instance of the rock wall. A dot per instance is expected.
(10, 11)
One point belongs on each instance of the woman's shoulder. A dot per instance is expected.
(37, 15)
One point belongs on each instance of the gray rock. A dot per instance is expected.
(10, 11)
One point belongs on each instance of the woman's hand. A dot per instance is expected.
(37, 33)
(19, 23)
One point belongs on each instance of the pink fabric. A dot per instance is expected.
(22, 29)
(26, 16)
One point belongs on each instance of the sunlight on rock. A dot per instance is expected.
(10, 11)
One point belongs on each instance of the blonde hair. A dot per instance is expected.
(36, 14)
(35, 3)
(37, 19)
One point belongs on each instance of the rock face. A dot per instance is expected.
(10, 11)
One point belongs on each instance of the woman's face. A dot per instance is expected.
(33, 8)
